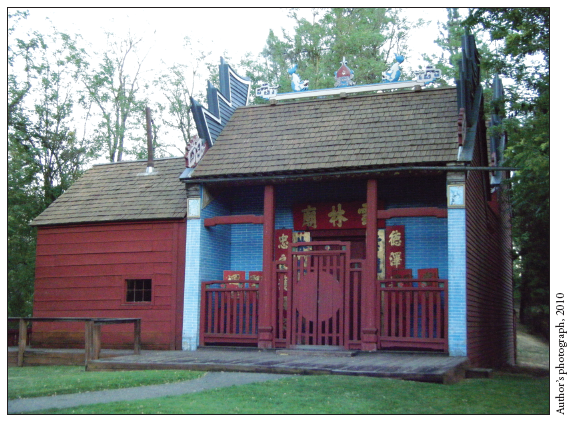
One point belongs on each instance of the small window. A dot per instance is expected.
(138, 290)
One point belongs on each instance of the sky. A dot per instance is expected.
(238, 30)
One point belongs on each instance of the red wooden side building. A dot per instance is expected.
(100, 247)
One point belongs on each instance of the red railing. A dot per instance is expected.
(229, 312)
(281, 309)
(353, 304)
(414, 313)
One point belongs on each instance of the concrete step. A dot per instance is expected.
(478, 373)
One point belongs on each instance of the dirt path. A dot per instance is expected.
(532, 351)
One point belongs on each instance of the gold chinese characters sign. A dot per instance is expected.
(331, 215)
(395, 248)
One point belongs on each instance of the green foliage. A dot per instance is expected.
(38, 381)
(366, 37)
(44, 154)
(113, 87)
(524, 57)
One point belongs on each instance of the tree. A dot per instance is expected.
(177, 84)
(44, 154)
(524, 57)
(113, 88)
(367, 38)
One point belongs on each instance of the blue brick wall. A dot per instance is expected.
(425, 243)
(457, 335)
(215, 242)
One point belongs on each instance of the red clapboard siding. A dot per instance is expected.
(101, 269)
(489, 273)
(81, 272)
(107, 236)
(99, 247)
(81, 259)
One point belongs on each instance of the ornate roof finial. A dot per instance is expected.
(296, 84)
(344, 76)
(394, 74)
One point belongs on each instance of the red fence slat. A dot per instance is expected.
(414, 313)
(229, 312)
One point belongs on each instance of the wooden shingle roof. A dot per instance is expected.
(119, 192)
(336, 134)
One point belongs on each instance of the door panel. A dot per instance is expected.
(318, 282)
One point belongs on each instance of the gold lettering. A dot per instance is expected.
(310, 217)
(395, 238)
(337, 216)
(283, 241)
(363, 212)
(395, 259)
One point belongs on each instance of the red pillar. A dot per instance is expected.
(265, 324)
(369, 288)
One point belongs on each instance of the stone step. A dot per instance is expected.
(478, 373)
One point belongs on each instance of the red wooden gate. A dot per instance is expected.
(318, 276)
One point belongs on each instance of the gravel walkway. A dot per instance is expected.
(209, 381)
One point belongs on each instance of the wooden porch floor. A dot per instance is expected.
(426, 367)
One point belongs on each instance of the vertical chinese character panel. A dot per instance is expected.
(394, 249)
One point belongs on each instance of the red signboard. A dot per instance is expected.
(395, 248)
(282, 239)
(331, 215)
(233, 275)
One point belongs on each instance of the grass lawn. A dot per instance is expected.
(503, 394)
(37, 381)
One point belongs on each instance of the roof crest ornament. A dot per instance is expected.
(296, 84)
(394, 73)
(344, 83)
(194, 150)
(344, 76)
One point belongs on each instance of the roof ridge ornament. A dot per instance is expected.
(394, 73)
(345, 85)
(296, 84)
(428, 75)
(194, 150)
(344, 76)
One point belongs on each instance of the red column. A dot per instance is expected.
(369, 287)
(265, 324)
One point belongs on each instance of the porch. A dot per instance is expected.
(318, 295)
(334, 267)
(425, 367)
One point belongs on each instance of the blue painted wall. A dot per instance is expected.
(239, 247)
(215, 242)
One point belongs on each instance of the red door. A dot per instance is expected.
(318, 280)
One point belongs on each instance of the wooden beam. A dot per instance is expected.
(412, 212)
(89, 343)
(369, 289)
(233, 219)
(22, 340)
(137, 336)
(265, 326)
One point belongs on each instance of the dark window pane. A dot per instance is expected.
(138, 290)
